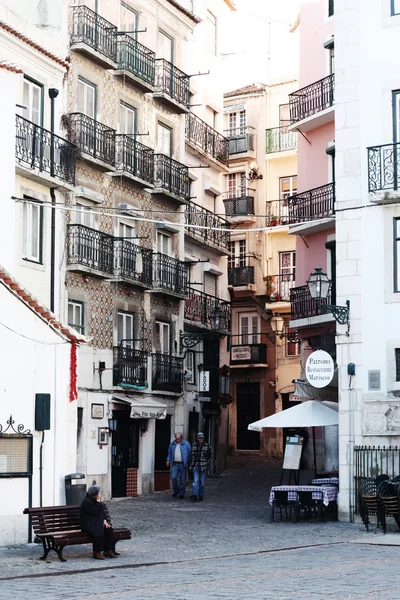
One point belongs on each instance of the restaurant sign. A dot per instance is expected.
(241, 353)
(320, 369)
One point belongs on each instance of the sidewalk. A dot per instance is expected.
(233, 519)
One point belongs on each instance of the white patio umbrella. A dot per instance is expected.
(307, 414)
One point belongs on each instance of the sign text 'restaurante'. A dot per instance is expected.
(319, 368)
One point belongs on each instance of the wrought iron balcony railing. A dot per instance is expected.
(303, 306)
(239, 202)
(90, 248)
(277, 213)
(134, 158)
(241, 139)
(91, 29)
(384, 168)
(170, 274)
(311, 205)
(312, 99)
(172, 82)
(130, 368)
(279, 139)
(249, 348)
(211, 226)
(167, 373)
(133, 262)
(206, 139)
(172, 176)
(238, 276)
(199, 306)
(136, 58)
(37, 148)
(277, 287)
(92, 137)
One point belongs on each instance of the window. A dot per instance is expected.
(33, 100)
(164, 243)
(87, 98)
(238, 254)
(284, 115)
(190, 367)
(127, 231)
(287, 187)
(84, 215)
(397, 360)
(237, 120)
(127, 118)
(292, 348)
(162, 339)
(331, 51)
(165, 46)
(331, 8)
(396, 115)
(164, 139)
(76, 316)
(126, 329)
(210, 284)
(236, 185)
(396, 236)
(128, 20)
(211, 35)
(395, 7)
(32, 230)
(249, 327)
(287, 273)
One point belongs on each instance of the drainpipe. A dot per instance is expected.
(53, 93)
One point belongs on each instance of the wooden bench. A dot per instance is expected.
(58, 526)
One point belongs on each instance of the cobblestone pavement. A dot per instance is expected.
(224, 548)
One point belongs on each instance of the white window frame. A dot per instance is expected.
(211, 35)
(394, 8)
(31, 87)
(128, 119)
(77, 320)
(190, 366)
(84, 217)
(30, 211)
(250, 334)
(127, 331)
(126, 24)
(292, 188)
(238, 257)
(83, 108)
(126, 229)
(164, 139)
(163, 335)
(162, 39)
(162, 238)
(236, 184)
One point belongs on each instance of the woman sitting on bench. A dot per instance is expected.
(93, 521)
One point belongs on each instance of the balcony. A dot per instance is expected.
(133, 263)
(94, 36)
(199, 306)
(206, 140)
(312, 205)
(302, 306)
(279, 139)
(239, 203)
(277, 287)
(167, 373)
(249, 350)
(312, 106)
(240, 276)
(209, 224)
(170, 275)
(90, 251)
(171, 86)
(130, 368)
(384, 169)
(135, 63)
(241, 140)
(40, 154)
(134, 160)
(277, 213)
(95, 140)
(171, 178)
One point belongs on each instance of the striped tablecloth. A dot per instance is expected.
(329, 492)
(326, 481)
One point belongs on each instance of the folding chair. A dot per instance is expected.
(310, 502)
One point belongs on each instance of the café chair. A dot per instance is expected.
(369, 503)
(310, 503)
(281, 501)
(388, 498)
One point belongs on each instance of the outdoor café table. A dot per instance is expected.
(326, 481)
(329, 492)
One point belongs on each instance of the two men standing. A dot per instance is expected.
(180, 455)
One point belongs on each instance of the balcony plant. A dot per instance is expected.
(273, 221)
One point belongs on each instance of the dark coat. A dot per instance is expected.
(92, 516)
(201, 457)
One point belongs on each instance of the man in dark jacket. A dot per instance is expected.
(200, 464)
(93, 521)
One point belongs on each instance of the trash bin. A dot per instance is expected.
(74, 493)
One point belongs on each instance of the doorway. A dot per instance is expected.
(125, 451)
(247, 411)
(162, 441)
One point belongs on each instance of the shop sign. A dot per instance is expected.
(241, 353)
(320, 369)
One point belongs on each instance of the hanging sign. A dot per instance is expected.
(320, 369)
(204, 383)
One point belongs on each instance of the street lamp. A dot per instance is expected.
(319, 286)
(217, 319)
(277, 323)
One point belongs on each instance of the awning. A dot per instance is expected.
(143, 408)
(305, 390)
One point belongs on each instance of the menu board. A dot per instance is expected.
(294, 446)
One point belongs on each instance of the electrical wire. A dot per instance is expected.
(33, 339)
